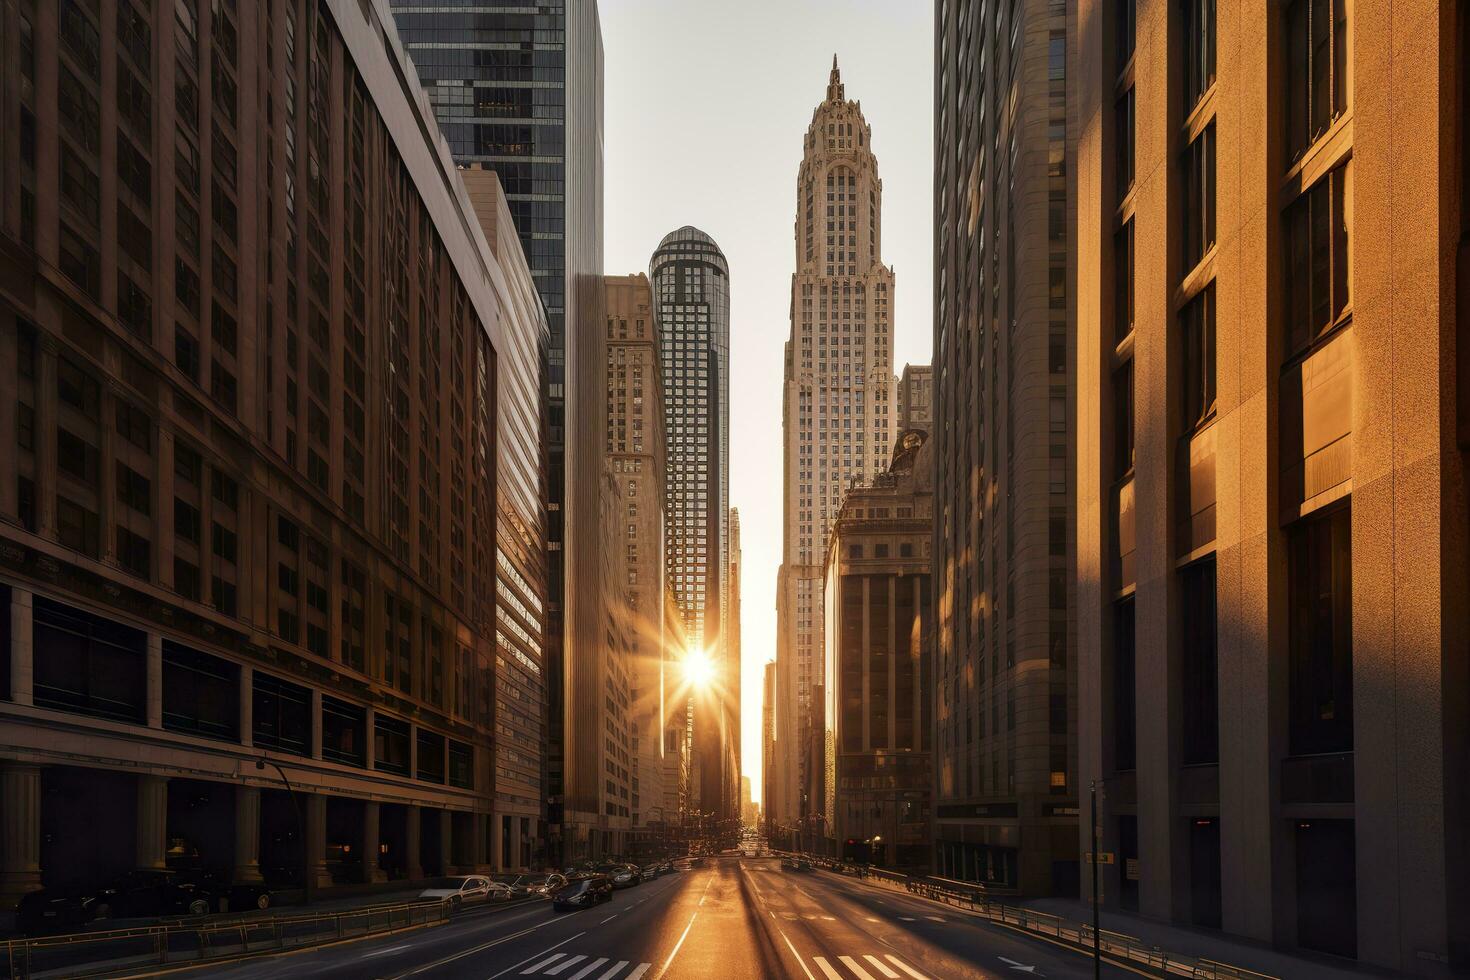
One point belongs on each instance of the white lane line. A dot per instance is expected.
(594, 965)
(608, 919)
(796, 954)
(933, 918)
(856, 967)
(905, 967)
(385, 952)
(675, 951)
(639, 970)
(524, 961)
(871, 919)
(616, 968)
(564, 964)
(878, 965)
(828, 918)
(536, 967)
(484, 946)
(906, 918)
(826, 968)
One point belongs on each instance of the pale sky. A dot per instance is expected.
(707, 102)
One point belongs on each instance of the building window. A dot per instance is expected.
(461, 765)
(1123, 421)
(1198, 187)
(1199, 674)
(1125, 721)
(1315, 246)
(1124, 131)
(344, 732)
(201, 694)
(1123, 282)
(1197, 329)
(1319, 593)
(88, 665)
(1199, 51)
(431, 756)
(1316, 70)
(282, 715)
(1127, 24)
(390, 745)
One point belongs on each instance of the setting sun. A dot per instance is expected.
(699, 670)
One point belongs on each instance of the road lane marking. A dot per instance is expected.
(906, 968)
(513, 965)
(799, 960)
(878, 965)
(826, 968)
(828, 918)
(536, 967)
(484, 946)
(641, 969)
(616, 968)
(871, 919)
(906, 918)
(933, 918)
(564, 964)
(608, 919)
(674, 952)
(856, 967)
(385, 952)
(594, 965)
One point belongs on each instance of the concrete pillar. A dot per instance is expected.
(45, 389)
(20, 832)
(414, 866)
(155, 681)
(22, 673)
(247, 707)
(446, 841)
(316, 840)
(372, 871)
(520, 838)
(370, 745)
(316, 723)
(477, 841)
(247, 835)
(152, 836)
(497, 844)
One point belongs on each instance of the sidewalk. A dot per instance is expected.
(1207, 944)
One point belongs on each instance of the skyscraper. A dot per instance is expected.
(731, 680)
(518, 90)
(768, 748)
(1004, 755)
(916, 397)
(1272, 533)
(838, 410)
(691, 296)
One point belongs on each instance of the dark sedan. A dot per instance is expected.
(582, 893)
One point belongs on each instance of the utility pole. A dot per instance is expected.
(1096, 842)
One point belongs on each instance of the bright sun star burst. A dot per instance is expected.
(699, 670)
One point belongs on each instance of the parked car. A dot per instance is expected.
(530, 885)
(134, 894)
(582, 892)
(625, 875)
(465, 890)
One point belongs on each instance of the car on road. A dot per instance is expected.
(529, 885)
(582, 892)
(622, 875)
(462, 890)
(135, 894)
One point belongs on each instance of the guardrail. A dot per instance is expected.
(1116, 945)
(93, 953)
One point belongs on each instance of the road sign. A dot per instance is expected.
(1103, 857)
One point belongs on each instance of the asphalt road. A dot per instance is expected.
(735, 917)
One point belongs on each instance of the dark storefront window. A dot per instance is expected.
(390, 745)
(282, 713)
(461, 765)
(431, 756)
(201, 694)
(344, 732)
(1319, 591)
(1198, 668)
(87, 664)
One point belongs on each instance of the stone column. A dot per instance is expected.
(247, 835)
(477, 841)
(497, 843)
(152, 837)
(372, 871)
(22, 675)
(155, 681)
(414, 865)
(45, 393)
(446, 842)
(247, 707)
(316, 723)
(370, 746)
(316, 840)
(20, 831)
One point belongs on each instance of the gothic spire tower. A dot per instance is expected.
(838, 412)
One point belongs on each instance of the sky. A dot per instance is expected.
(706, 105)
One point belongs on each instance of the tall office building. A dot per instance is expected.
(1272, 531)
(518, 89)
(916, 397)
(691, 297)
(1005, 754)
(838, 401)
(634, 448)
(768, 748)
(256, 364)
(731, 681)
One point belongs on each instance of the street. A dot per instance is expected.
(733, 917)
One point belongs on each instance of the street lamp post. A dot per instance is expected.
(260, 764)
(1096, 842)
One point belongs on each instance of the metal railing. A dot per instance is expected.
(1116, 945)
(93, 953)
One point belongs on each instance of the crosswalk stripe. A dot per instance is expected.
(855, 967)
(905, 967)
(826, 968)
(614, 970)
(546, 962)
(639, 970)
(594, 965)
(878, 965)
(564, 964)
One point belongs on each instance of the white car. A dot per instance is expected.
(466, 890)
